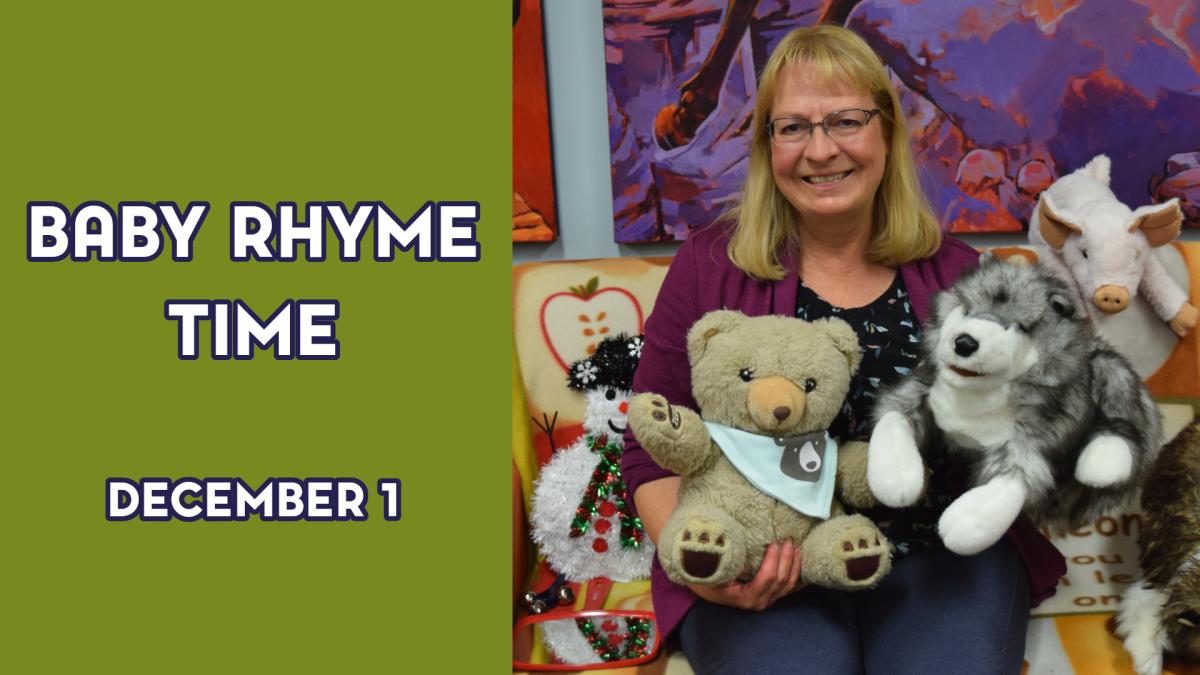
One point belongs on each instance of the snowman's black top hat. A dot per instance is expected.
(611, 365)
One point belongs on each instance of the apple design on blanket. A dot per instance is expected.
(575, 321)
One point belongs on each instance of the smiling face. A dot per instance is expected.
(606, 411)
(983, 353)
(998, 321)
(823, 179)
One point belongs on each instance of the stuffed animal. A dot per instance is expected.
(1106, 251)
(580, 511)
(1161, 610)
(1013, 384)
(757, 464)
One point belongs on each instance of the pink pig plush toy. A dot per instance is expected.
(1104, 250)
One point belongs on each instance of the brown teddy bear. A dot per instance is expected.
(768, 387)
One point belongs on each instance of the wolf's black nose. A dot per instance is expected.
(965, 345)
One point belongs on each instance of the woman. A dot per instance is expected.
(832, 223)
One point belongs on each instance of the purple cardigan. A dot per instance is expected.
(702, 279)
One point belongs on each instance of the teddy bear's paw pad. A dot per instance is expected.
(859, 569)
(701, 564)
(669, 415)
(848, 552)
(702, 549)
(653, 413)
(862, 558)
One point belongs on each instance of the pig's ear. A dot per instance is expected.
(1056, 225)
(1160, 223)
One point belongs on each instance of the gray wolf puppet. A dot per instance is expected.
(1161, 610)
(1050, 421)
(768, 387)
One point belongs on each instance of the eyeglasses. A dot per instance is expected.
(841, 124)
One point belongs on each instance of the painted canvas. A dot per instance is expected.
(1002, 98)
(534, 217)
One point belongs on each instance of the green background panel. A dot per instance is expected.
(399, 102)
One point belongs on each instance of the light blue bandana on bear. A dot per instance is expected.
(797, 470)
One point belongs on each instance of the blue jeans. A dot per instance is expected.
(936, 612)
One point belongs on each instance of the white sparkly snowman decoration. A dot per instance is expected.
(581, 509)
(587, 641)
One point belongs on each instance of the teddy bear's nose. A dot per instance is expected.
(624, 407)
(965, 345)
(781, 413)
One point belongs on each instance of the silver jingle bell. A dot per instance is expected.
(565, 595)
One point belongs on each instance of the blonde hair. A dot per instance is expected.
(905, 228)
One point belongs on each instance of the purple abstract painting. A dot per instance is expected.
(1002, 99)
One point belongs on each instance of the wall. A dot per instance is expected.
(579, 120)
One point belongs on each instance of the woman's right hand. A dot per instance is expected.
(778, 575)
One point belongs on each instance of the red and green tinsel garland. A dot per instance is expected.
(635, 645)
(606, 480)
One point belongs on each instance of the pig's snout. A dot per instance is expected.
(1111, 299)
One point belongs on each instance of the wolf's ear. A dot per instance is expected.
(945, 302)
(1063, 304)
(710, 325)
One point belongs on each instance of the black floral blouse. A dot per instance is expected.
(889, 335)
